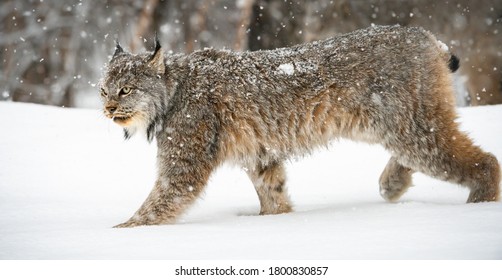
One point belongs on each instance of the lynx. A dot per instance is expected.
(387, 85)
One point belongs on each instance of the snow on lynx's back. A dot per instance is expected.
(385, 85)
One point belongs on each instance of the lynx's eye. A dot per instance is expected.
(125, 91)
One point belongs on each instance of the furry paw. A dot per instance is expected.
(277, 209)
(394, 181)
(128, 224)
(142, 221)
(483, 195)
(392, 190)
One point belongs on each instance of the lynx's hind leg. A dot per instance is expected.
(395, 180)
(432, 143)
(454, 158)
(269, 181)
(474, 168)
(487, 188)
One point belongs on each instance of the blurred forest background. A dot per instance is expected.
(53, 52)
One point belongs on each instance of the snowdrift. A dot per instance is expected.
(67, 176)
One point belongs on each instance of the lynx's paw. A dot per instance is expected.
(395, 180)
(282, 208)
(487, 172)
(137, 221)
(127, 224)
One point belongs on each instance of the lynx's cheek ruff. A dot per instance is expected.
(120, 119)
(123, 120)
(132, 120)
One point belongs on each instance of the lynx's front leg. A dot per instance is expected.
(269, 182)
(169, 197)
(164, 203)
(186, 159)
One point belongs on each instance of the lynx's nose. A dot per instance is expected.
(111, 109)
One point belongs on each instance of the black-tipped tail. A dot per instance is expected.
(453, 63)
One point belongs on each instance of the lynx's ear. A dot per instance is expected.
(157, 59)
(118, 49)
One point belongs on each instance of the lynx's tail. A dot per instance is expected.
(451, 59)
(453, 63)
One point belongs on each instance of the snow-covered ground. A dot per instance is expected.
(67, 176)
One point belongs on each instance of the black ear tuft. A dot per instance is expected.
(118, 49)
(156, 60)
(157, 46)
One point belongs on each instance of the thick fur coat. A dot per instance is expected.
(387, 85)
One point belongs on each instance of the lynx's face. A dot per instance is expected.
(133, 89)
